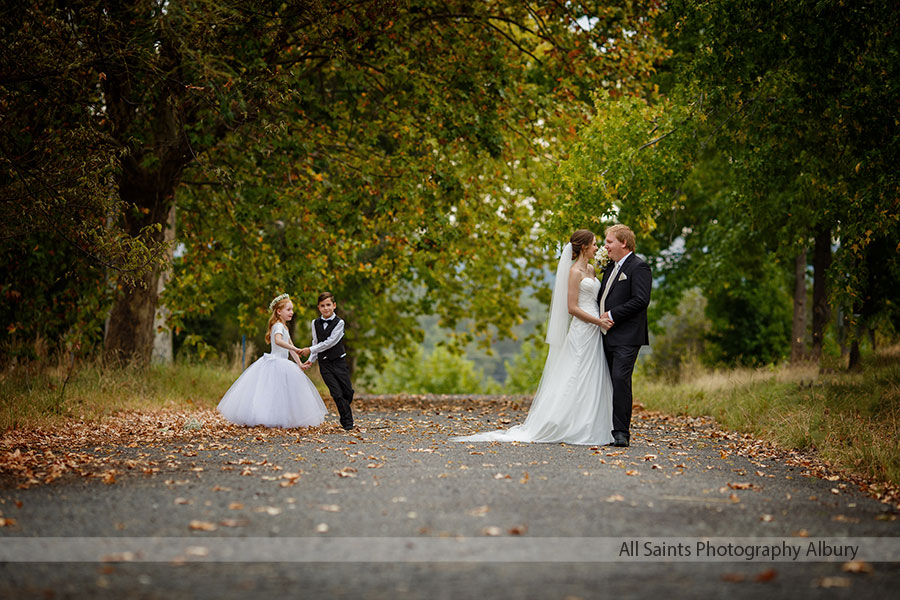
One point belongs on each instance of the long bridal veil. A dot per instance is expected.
(557, 323)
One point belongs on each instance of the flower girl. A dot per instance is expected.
(272, 391)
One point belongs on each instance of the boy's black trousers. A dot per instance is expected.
(336, 375)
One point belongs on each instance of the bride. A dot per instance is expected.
(573, 402)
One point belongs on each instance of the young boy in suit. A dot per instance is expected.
(328, 348)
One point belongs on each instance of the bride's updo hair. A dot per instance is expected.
(580, 240)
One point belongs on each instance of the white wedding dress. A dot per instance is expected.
(274, 392)
(573, 403)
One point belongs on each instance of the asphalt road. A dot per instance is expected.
(380, 512)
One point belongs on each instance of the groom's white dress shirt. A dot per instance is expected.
(615, 274)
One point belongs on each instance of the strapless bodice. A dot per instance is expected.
(588, 289)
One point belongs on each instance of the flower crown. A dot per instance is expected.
(277, 300)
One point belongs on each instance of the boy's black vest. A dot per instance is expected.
(322, 334)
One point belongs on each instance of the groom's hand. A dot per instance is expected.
(605, 321)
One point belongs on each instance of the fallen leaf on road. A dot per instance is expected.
(833, 582)
(202, 526)
(733, 577)
(479, 511)
(492, 530)
(272, 511)
(857, 566)
(741, 486)
(330, 508)
(119, 557)
(233, 522)
(632, 472)
(518, 530)
(615, 498)
(235, 506)
(844, 519)
(765, 576)
(322, 528)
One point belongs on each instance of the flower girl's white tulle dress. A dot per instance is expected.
(274, 392)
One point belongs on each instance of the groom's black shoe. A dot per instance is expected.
(621, 441)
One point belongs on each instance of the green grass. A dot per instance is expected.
(37, 394)
(34, 396)
(852, 420)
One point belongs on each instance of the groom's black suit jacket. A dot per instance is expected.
(628, 299)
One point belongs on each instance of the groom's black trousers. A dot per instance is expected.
(620, 360)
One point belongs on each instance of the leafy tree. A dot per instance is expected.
(750, 322)
(52, 298)
(440, 372)
(789, 110)
(682, 338)
(304, 143)
(523, 374)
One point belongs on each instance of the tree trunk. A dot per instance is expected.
(162, 333)
(821, 264)
(843, 335)
(853, 364)
(798, 330)
(129, 332)
(148, 198)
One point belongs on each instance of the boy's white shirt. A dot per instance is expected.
(333, 338)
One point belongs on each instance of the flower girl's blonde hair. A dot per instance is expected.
(276, 305)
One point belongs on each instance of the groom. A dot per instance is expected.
(623, 298)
